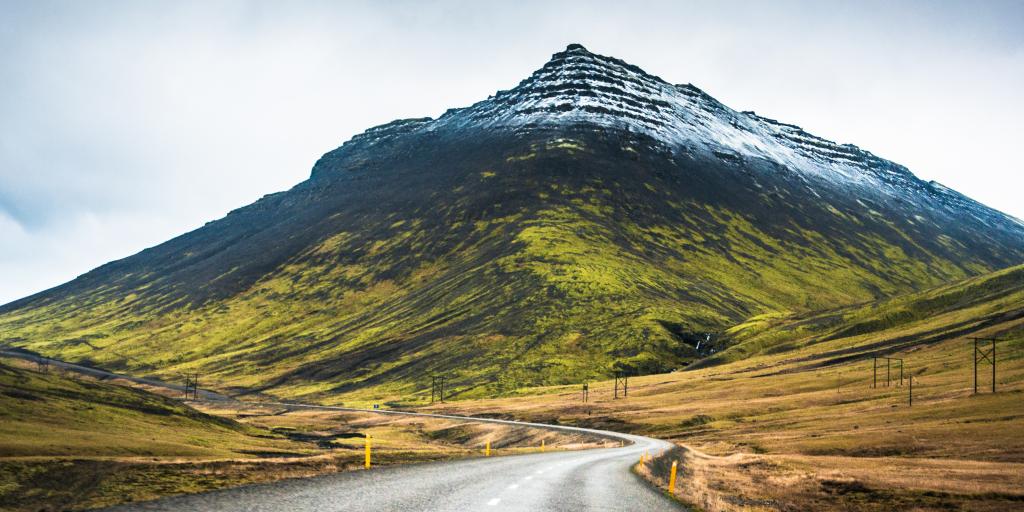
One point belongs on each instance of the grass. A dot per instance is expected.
(565, 258)
(786, 419)
(801, 428)
(71, 417)
(72, 443)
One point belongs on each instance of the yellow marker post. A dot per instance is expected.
(487, 451)
(367, 451)
(541, 445)
(672, 478)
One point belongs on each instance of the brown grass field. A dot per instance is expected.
(69, 442)
(801, 427)
(783, 418)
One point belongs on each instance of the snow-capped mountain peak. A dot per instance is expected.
(578, 88)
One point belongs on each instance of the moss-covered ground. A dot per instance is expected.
(788, 418)
(544, 261)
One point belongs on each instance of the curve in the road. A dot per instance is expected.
(586, 480)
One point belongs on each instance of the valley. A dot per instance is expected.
(101, 442)
(796, 317)
(786, 418)
(594, 219)
(789, 419)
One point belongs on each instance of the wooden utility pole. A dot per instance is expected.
(888, 371)
(437, 388)
(624, 380)
(987, 355)
(192, 386)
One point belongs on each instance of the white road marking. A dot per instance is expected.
(513, 486)
(494, 501)
(530, 477)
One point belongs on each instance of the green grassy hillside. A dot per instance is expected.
(68, 442)
(502, 262)
(49, 414)
(893, 325)
(788, 418)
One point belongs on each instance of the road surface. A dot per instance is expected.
(574, 481)
(570, 481)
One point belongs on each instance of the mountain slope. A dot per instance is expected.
(592, 218)
(793, 409)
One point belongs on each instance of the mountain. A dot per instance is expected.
(594, 218)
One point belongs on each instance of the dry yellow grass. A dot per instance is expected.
(788, 421)
(797, 431)
(69, 442)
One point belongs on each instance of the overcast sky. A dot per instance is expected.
(125, 124)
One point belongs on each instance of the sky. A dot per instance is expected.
(124, 124)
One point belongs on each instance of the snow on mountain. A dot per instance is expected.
(577, 87)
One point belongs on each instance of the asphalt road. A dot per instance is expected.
(598, 479)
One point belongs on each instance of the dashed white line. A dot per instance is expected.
(529, 477)
(494, 501)
(513, 486)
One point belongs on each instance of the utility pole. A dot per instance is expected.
(437, 388)
(987, 355)
(888, 371)
(192, 386)
(624, 379)
(910, 395)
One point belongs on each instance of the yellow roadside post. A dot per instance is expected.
(541, 445)
(367, 463)
(672, 478)
(487, 451)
